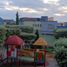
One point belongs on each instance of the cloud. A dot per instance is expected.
(59, 14)
(52, 2)
(10, 7)
(28, 10)
(23, 10)
(62, 12)
(39, 10)
(55, 8)
(43, 9)
(63, 9)
(5, 2)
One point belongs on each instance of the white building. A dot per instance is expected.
(48, 27)
(43, 25)
(32, 22)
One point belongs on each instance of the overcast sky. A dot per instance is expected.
(34, 8)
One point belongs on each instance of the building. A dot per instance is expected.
(9, 22)
(41, 24)
(61, 27)
(65, 23)
(33, 22)
(60, 24)
(44, 18)
(1, 21)
(51, 19)
(48, 27)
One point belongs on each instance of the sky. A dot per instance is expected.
(34, 8)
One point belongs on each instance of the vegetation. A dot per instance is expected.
(17, 19)
(61, 51)
(60, 33)
(37, 35)
(2, 34)
(27, 36)
(27, 29)
(12, 32)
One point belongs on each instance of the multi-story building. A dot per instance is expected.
(41, 24)
(51, 19)
(44, 18)
(48, 27)
(33, 22)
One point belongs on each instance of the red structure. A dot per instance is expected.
(40, 57)
(14, 40)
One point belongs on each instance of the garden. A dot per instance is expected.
(55, 45)
(60, 47)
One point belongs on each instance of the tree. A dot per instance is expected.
(27, 29)
(17, 19)
(61, 56)
(37, 35)
(28, 36)
(2, 34)
(12, 32)
(61, 51)
(60, 33)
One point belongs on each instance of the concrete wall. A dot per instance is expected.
(35, 24)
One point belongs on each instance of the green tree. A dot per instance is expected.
(27, 29)
(37, 34)
(2, 34)
(60, 33)
(60, 48)
(17, 19)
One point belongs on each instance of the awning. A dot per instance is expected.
(14, 40)
(40, 42)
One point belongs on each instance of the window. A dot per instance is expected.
(40, 25)
(50, 26)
